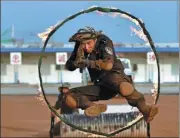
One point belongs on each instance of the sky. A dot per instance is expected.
(32, 17)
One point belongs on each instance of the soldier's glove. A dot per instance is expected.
(90, 64)
(83, 63)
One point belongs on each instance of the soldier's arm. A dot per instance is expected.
(57, 105)
(70, 62)
(107, 60)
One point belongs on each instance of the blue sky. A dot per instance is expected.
(33, 17)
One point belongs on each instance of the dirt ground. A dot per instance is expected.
(24, 116)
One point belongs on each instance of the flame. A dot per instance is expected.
(45, 34)
(154, 92)
(40, 97)
(139, 33)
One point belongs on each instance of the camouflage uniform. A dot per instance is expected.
(107, 74)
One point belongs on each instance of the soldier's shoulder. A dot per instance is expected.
(60, 96)
(105, 41)
(105, 37)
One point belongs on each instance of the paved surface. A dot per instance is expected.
(24, 116)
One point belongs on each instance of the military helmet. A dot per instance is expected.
(85, 34)
(65, 85)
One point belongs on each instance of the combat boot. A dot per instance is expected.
(95, 110)
(149, 116)
(136, 99)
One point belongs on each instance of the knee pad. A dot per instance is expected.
(135, 98)
(83, 102)
(126, 89)
(77, 100)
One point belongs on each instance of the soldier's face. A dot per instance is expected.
(65, 90)
(89, 45)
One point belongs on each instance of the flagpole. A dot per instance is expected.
(12, 31)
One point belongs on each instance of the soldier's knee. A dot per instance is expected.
(126, 89)
(71, 100)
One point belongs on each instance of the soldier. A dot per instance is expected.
(64, 109)
(94, 51)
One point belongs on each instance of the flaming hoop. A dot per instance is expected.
(101, 10)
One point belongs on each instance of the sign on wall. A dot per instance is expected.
(15, 58)
(61, 58)
(151, 58)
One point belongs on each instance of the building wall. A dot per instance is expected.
(28, 71)
(7, 70)
(169, 64)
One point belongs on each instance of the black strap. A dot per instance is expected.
(148, 130)
(52, 127)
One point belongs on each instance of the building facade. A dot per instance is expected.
(27, 72)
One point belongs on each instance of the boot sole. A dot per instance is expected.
(153, 112)
(95, 110)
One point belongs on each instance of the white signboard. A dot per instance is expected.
(151, 58)
(15, 58)
(61, 58)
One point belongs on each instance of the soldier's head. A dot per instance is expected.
(63, 89)
(86, 37)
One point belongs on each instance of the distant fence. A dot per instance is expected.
(105, 123)
(26, 89)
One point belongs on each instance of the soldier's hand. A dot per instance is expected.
(52, 114)
(80, 60)
(82, 63)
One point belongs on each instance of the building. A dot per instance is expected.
(27, 71)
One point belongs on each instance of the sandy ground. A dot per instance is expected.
(24, 116)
